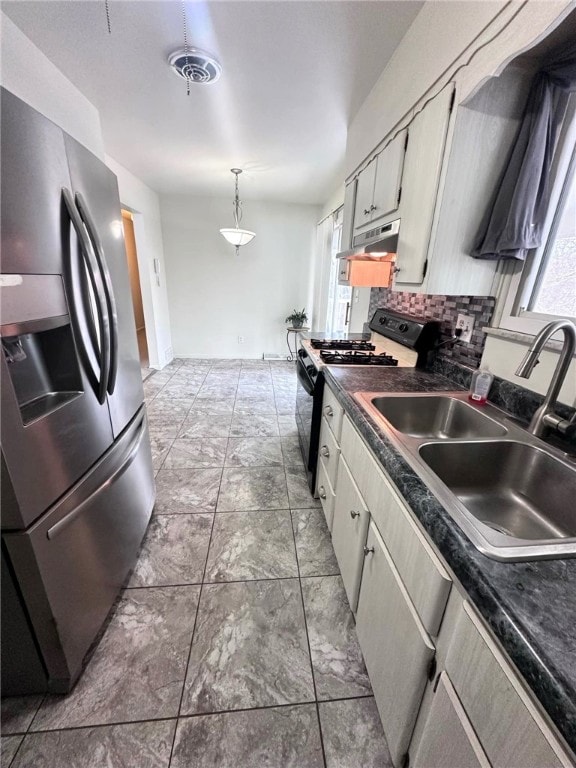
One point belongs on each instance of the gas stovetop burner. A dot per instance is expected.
(342, 344)
(355, 357)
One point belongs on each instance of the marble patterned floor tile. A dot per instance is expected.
(216, 391)
(167, 413)
(200, 423)
(159, 445)
(174, 551)
(254, 390)
(256, 425)
(248, 488)
(254, 452)
(251, 545)
(353, 735)
(160, 377)
(151, 388)
(280, 737)
(18, 712)
(141, 745)
(178, 391)
(298, 491)
(313, 543)
(186, 490)
(337, 661)
(255, 406)
(287, 426)
(249, 649)
(196, 452)
(137, 670)
(215, 405)
(291, 451)
(8, 748)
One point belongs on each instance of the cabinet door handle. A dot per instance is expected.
(325, 451)
(354, 514)
(368, 550)
(366, 211)
(322, 492)
(373, 207)
(328, 411)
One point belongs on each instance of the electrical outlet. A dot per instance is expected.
(466, 325)
(241, 339)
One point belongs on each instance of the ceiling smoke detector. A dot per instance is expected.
(195, 66)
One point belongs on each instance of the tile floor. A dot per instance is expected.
(233, 645)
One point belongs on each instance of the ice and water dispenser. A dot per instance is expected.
(38, 344)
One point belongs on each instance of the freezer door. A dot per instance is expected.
(96, 195)
(71, 564)
(53, 426)
(34, 169)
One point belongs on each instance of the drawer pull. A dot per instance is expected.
(368, 550)
(328, 408)
(322, 492)
(325, 451)
(354, 514)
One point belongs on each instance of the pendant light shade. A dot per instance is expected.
(235, 235)
(238, 237)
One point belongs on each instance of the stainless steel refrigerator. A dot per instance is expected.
(76, 471)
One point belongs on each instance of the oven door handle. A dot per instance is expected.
(304, 377)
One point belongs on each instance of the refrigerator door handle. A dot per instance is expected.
(131, 453)
(96, 282)
(108, 289)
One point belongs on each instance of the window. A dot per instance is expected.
(543, 288)
(339, 296)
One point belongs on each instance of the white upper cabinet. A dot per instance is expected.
(378, 190)
(348, 215)
(389, 177)
(420, 181)
(365, 195)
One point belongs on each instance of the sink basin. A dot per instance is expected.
(438, 417)
(511, 493)
(516, 489)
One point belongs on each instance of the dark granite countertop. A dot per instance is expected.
(531, 607)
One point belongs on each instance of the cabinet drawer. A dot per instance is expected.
(425, 578)
(325, 493)
(508, 731)
(332, 412)
(396, 648)
(328, 451)
(349, 528)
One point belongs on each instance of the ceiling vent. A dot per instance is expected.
(195, 66)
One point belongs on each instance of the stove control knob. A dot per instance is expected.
(403, 327)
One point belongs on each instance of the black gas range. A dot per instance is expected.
(417, 334)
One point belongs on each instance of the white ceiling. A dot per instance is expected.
(294, 75)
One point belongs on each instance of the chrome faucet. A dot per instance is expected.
(545, 417)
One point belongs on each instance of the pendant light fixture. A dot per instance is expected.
(235, 235)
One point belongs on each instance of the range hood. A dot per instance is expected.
(379, 243)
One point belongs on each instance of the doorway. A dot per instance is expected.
(134, 273)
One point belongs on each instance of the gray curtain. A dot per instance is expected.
(515, 222)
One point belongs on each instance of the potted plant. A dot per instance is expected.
(297, 318)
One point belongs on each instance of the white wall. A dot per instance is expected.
(145, 205)
(215, 296)
(503, 356)
(27, 73)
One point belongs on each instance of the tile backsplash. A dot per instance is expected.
(445, 309)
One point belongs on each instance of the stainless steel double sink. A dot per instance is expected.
(512, 494)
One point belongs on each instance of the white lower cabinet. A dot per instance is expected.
(448, 739)
(494, 701)
(397, 650)
(325, 493)
(349, 527)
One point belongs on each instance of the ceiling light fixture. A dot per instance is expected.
(237, 236)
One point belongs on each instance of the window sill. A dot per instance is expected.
(521, 338)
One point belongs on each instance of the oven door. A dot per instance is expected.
(309, 412)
